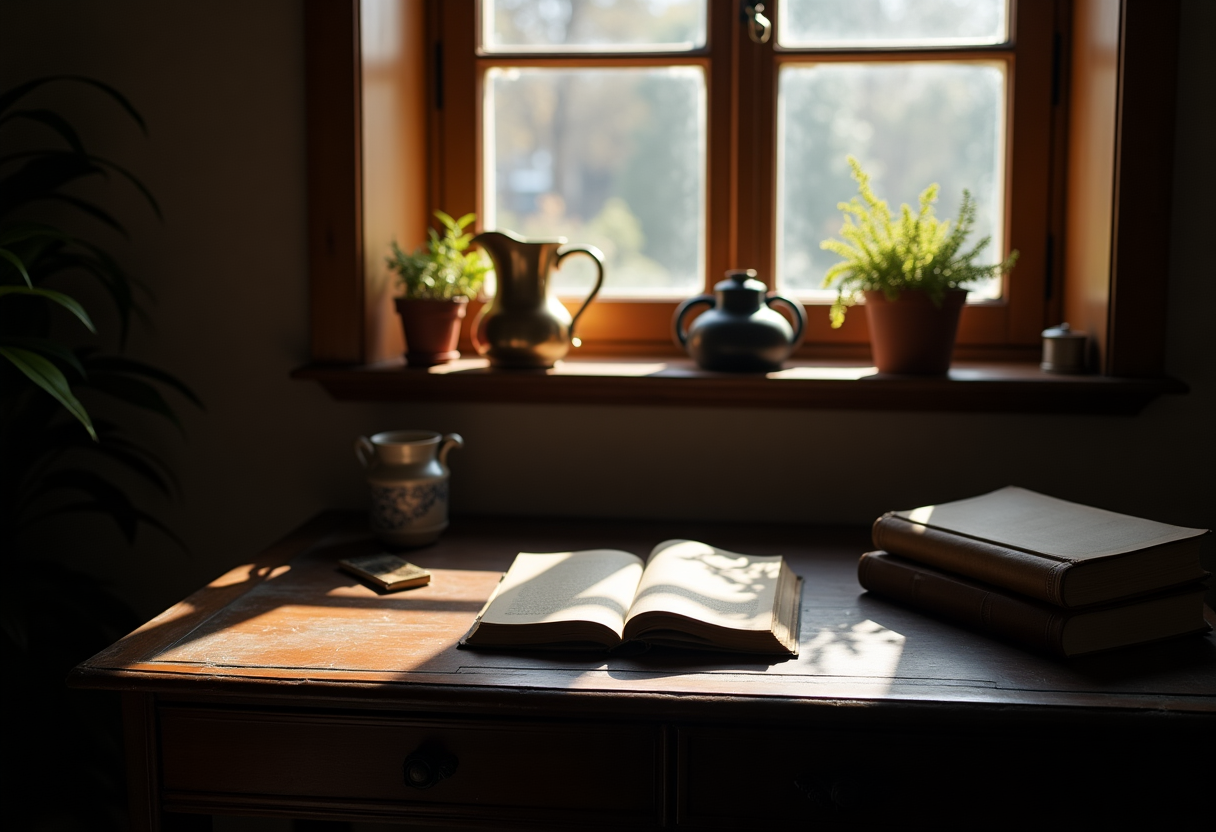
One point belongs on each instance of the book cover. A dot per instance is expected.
(386, 571)
(1063, 553)
(1038, 626)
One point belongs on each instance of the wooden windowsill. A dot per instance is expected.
(971, 386)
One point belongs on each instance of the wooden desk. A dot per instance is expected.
(288, 688)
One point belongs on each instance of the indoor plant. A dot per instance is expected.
(911, 272)
(437, 282)
(73, 447)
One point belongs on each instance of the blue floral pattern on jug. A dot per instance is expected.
(396, 507)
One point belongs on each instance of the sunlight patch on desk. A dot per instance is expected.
(864, 649)
(824, 373)
(311, 637)
(249, 572)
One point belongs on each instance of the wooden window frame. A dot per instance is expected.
(1108, 152)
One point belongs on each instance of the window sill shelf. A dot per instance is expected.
(970, 387)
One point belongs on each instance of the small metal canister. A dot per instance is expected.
(1063, 350)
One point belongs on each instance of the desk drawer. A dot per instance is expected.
(590, 774)
(943, 779)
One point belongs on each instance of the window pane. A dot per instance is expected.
(608, 157)
(593, 25)
(909, 124)
(832, 23)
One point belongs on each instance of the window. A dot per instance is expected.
(665, 133)
(1081, 81)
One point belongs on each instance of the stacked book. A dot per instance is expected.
(1051, 575)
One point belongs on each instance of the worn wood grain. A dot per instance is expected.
(307, 621)
(288, 688)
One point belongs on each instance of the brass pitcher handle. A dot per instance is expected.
(475, 330)
(799, 314)
(596, 255)
(365, 451)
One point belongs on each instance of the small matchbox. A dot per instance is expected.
(386, 571)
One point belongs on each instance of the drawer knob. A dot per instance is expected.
(841, 793)
(427, 766)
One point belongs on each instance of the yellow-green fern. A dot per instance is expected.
(915, 251)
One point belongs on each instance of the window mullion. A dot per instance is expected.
(755, 108)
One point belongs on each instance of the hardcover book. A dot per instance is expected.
(1063, 553)
(1032, 624)
(685, 594)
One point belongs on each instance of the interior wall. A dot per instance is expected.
(221, 86)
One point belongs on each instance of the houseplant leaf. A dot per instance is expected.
(46, 375)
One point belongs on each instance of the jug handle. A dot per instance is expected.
(450, 440)
(596, 255)
(683, 309)
(365, 451)
(474, 330)
(799, 314)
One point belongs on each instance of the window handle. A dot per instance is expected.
(759, 27)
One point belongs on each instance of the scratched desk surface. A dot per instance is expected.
(291, 616)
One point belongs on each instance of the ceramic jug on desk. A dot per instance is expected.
(524, 326)
(408, 476)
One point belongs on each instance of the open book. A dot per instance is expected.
(686, 594)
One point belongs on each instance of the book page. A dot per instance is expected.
(708, 584)
(594, 585)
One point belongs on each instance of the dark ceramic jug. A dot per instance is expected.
(740, 333)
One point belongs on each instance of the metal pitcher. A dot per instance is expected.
(523, 326)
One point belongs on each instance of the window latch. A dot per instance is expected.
(759, 27)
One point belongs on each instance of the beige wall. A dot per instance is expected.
(221, 85)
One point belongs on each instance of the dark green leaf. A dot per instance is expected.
(66, 301)
(119, 364)
(133, 391)
(47, 347)
(47, 376)
(94, 211)
(53, 120)
(105, 498)
(21, 90)
(20, 266)
(42, 176)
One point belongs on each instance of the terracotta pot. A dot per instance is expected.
(432, 329)
(911, 335)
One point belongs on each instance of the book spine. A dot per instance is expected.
(978, 608)
(1022, 572)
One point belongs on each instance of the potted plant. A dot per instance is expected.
(437, 281)
(911, 272)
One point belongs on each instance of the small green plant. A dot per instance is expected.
(918, 251)
(444, 268)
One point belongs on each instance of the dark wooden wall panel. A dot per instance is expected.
(1144, 175)
(335, 176)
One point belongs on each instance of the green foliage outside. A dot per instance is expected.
(444, 268)
(917, 251)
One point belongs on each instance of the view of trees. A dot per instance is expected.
(910, 125)
(849, 22)
(615, 157)
(608, 157)
(605, 25)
